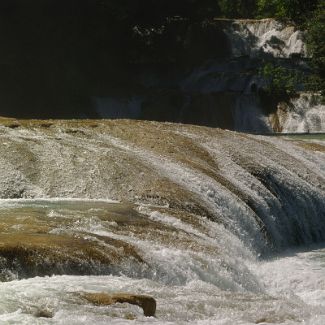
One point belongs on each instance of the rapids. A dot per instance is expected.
(219, 227)
(304, 114)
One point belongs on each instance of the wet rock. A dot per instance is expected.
(147, 303)
(13, 126)
(44, 313)
(29, 249)
(46, 125)
(56, 254)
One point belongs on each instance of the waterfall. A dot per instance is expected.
(223, 91)
(79, 161)
(189, 215)
(266, 36)
(249, 116)
(304, 114)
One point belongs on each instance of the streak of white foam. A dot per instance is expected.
(8, 203)
(296, 274)
(314, 161)
(172, 263)
(279, 213)
(265, 36)
(217, 198)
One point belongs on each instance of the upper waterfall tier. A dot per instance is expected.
(266, 36)
(206, 73)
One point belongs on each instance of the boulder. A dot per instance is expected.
(147, 303)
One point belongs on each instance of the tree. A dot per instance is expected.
(316, 47)
(295, 10)
(281, 81)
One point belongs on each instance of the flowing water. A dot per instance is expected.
(304, 114)
(268, 36)
(218, 227)
(192, 284)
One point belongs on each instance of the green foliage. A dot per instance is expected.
(294, 10)
(310, 15)
(281, 80)
(316, 48)
(281, 85)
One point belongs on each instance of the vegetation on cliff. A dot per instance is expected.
(307, 15)
(316, 44)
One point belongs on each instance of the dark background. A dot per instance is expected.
(55, 55)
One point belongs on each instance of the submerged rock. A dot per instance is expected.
(44, 313)
(147, 303)
(31, 246)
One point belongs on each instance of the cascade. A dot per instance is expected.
(266, 36)
(121, 206)
(249, 116)
(304, 114)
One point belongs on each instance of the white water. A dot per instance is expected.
(268, 36)
(204, 286)
(304, 114)
(249, 117)
(195, 287)
(200, 270)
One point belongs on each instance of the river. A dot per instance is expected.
(219, 227)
